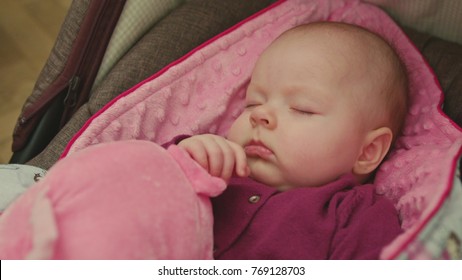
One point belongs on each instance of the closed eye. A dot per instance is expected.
(251, 105)
(302, 111)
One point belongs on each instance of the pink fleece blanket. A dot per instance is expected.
(203, 93)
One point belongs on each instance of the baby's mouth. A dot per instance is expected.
(258, 149)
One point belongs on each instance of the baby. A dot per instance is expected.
(325, 103)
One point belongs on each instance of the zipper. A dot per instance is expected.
(77, 72)
(82, 68)
(85, 73)
(72, 92)
(41, 104)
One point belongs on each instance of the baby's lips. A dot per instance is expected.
(256, 150)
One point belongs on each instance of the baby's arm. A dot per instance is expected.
(219, 156)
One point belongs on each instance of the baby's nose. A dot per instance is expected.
(263, 116)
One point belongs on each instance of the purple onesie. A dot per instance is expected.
(341, 220)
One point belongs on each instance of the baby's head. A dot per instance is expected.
(325, 99)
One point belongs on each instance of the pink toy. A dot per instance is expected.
(156, 207)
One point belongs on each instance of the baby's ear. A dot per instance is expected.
(375, 148)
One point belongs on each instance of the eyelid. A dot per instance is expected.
(249, 104)
(252, 101)
(303, 111)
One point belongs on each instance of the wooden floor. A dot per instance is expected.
(28, 30)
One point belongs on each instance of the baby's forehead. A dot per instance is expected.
(350, 40)
(333, 30)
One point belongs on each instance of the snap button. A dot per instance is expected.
(254, 199)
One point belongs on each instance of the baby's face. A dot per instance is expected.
(301, 127)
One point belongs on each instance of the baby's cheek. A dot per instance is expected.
(298, 158)
(233, 132)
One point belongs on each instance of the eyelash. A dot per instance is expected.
(302, 112)
(251, 105)
(298, 111)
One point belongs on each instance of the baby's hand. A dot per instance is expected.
(217, 155)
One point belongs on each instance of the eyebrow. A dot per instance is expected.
(300, 92)
(294, 92)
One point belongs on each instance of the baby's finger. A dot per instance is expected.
(228, 161)
(241, 166)
(197, 151)
(215, 157)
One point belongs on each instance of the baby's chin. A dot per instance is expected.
(280, 184)
(271, 182)
(269, 174)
